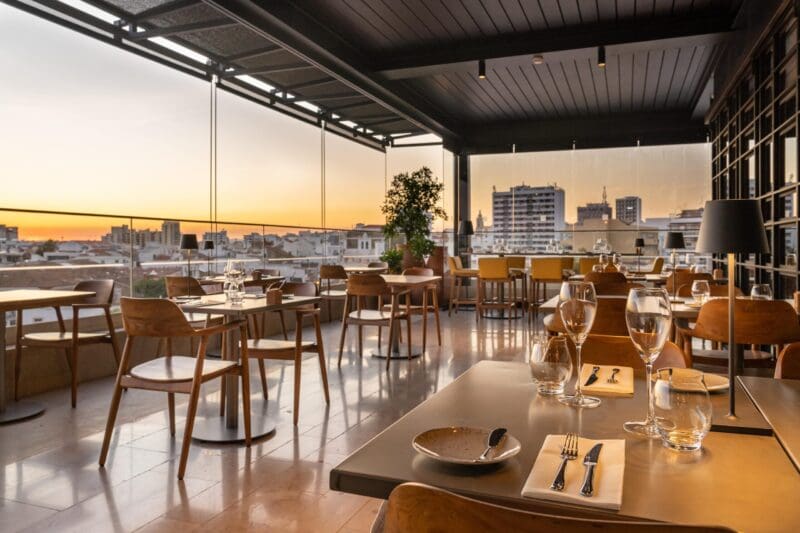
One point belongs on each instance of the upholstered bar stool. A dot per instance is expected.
(457, 276)
(493, 274)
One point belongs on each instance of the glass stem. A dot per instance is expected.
(651, 412)
(578, 358)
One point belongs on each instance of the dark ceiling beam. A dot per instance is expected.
(163, 9)
(182, 28)
(328, 97)
(598, 132)
(429, 60)
(273, 69)
(336, 109)
(250, 54)
(377, 116)
(378, 123)
(310, 83)
(287, 25)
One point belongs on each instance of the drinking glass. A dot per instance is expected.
(577, 308)
(234, 281)
(597, 268)
(603, 260)
(551, 365)
(682, 408)
(649, 316)
(615, 259)
(761, 291)
(700, 290)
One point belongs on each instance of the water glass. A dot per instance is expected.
(648, 316)
(551, 365)
(682, 408)
(761, 291)
(701, 291)
(597, 268)
(577, 306)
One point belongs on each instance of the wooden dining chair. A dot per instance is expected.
(757, 322)
(615, 289)
(284, 350)
(178, 286)
(605, 277)
(493, 273)
(788, 365)
(332, 282)
(717, 291)
(430, 304)
(425, 509)
(608, 320)
(359, 288)
(458, 275)
(684, 277)
(619, 350)
(158, 318)
(72, 340)
(378, 264)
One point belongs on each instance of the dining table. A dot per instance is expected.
(742, 481)
(400, 283)
(364, 269)
(15, 300)
(210, 427)
(778, 401)
(264, 281)
(655, 279)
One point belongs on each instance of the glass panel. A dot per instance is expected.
(749, 174)
(788, 157)
(789, 246)
(788, 204)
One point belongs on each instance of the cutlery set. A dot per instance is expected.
(594, 376)
(569, 452)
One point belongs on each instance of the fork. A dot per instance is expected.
(613, 378)
(569, 451)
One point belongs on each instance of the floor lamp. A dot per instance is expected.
(732, 227)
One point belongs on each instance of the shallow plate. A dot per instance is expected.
(186, 298)
(714, 382)
(464, 445)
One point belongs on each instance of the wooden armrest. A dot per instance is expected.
(220, 328)
(90, 306)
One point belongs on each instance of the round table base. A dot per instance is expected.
(18, 411)
(396, 355)
(212, 428)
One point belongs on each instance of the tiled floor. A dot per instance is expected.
(51, 481)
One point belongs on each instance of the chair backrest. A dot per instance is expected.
(454, 262)
(615, 289)
(103, 290)
(493, 267)
(657, 266)
(547, 269)
(619, 350)
(332, 272)
(425, 509)
(585, 264)
(367, 285)
(153, 317)
(684, 277)
(377, 264)
(609, 319)
(183, 286)
(517, 261)
(788, 365)
(771, 322)
(606, 277)
(300, 288)
(717, 291)
(610, 267)
(418, 271)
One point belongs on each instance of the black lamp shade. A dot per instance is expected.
(638, 243)
(208, 245)
(675, 240)
(732, 227)
(465, 228)
(188, 241)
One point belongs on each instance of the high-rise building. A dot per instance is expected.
(120, 234)
(9, 233)
(479, 223)
(629, 209)
(171, 233)
(526, 218)
(595, 210)
(688, 223)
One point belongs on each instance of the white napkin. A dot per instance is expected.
(608, 474)
(623, 386)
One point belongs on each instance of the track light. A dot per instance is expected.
(482, 69)
(538, 59)
(601, 56)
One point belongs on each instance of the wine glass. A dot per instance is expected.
(615, 260)
(649, 316)
(577, 308)
(551, 365)
(761, 291)
(700, 291)
(597, 268)
(603, 260)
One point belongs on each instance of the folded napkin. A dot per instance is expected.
(608, 474)
(623, 386)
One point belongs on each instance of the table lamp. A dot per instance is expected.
(638, 244)
(675, 242)
(465, 228)
(732, 227)
(189, 242)
(208, 245)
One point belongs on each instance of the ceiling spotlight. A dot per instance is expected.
(482, 69)
(538, 59)
(601, 56)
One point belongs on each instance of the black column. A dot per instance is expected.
(462, 204)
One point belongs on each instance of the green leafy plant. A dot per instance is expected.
(393, 258)
(412, 203)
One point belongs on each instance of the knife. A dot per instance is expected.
(591, 462)
(593, 377)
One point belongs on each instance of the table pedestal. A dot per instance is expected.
(214, 428)
(12, 412)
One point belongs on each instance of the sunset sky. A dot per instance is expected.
(85, 127)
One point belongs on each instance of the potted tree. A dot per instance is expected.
(412, 203)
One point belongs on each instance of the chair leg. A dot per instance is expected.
(360, 340)
(298, 366)
(345, 312)
(171, 406)
(283, 325)
(194, 396)
(380, 332)
(452, 294)
(321, 354)
(408, 329)
(73, 356)
(112, 418)
(424, 319)
(245, 371)
(435, 296)
(263, 372)
(17, 356)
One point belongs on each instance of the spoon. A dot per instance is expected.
(494, 439)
